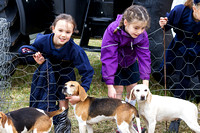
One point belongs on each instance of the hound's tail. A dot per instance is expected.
(57, 112)
(137, 118)
(138, 124)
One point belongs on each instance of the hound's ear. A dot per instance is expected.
(82, 94)
(3, 119)
(149, 97)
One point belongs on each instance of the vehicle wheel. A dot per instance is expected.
(10, 36)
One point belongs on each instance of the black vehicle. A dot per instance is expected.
(27, 17)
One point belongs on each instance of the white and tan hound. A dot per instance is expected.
(26, 120)
(92, 110)
(155, 108)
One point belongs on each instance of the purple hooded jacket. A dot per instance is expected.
(121, 50)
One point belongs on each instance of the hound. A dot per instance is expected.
(26, 120)
(92, 110)
(155, 108)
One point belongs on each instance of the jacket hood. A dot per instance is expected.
(118, 19)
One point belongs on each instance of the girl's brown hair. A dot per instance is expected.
(134, 12)
(189, 3)
(66, 17)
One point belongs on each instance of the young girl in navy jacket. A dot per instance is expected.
(63, 55)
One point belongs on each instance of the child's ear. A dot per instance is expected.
(52, 28)
(125, 22)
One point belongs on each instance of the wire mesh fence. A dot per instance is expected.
(16, 80)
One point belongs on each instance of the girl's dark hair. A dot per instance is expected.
(134, 12)
(66, 17)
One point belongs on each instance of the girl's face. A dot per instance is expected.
(63, 31)
(135, 28)
(196, 12)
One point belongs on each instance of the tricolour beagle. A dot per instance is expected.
(91, 110)
(26, 120)
(155, 108)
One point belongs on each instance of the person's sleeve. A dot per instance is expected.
(174, 16)
(81, 62)
(26, 54)
(144, 59)
(109, 57)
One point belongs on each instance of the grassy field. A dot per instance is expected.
(18, 94)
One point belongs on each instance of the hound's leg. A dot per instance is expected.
(34, 130)
(152, 126)
(124, 127)
(131, 128)
(192, 123)
(89, 128)
(194, 126)
(138, 124)
(82, 127)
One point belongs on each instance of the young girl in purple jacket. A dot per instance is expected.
(125, 52)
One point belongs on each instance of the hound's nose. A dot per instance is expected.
(142, 97)
(64, 89)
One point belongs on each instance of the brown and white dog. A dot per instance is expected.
(92, 110)
(26, 120)
(155, 108)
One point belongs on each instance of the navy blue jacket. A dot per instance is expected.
(183, 53)
(185, 42)
(63, 62)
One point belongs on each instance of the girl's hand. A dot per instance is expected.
(163, 21)
(38, 58)
(111, 91)
(73, 99)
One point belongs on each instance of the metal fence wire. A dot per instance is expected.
(182, 79)
(5, 58)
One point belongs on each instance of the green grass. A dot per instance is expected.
(17, 95)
